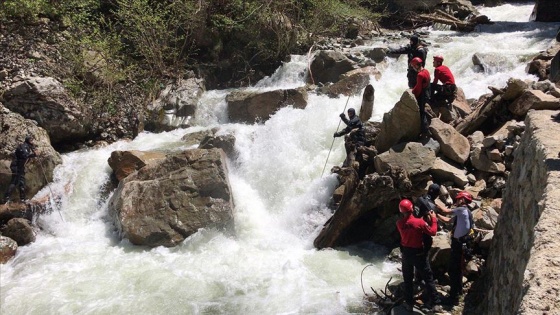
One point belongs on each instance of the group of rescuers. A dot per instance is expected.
(424, 91)
(419, 221)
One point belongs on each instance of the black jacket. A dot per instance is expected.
(23, 152)
(353, 123)
(418, 51)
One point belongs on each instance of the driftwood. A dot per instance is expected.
(439, 16)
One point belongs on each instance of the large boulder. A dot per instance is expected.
(350, 84)
(20, 230)
(453, 144)
(47, 101)
(555, 68)
(533, 99)
(443, 171)
(251, 106)
(412, 157)
(125, 163)
(400, 124)
(39, 170)
(175, 106)
(328, 65)
(164, 203)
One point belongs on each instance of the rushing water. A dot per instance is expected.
(79, 266)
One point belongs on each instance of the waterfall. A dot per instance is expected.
(79, 266)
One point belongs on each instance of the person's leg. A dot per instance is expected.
(408, 275)
(429, 284)
(455, 269)
(21, 186)
(412, 76)
(11, 187)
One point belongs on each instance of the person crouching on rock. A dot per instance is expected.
(445, 93)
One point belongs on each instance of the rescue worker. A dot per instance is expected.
(23, 153)
(414, 49)
(411, 230)
(462, 224)
(445, 92)
(422, 92)
(356, 137)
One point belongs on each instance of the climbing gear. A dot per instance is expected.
(464, 194)
(405, 206)
(415, 61)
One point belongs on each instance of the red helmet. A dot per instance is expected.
(464, 194)
(416, 61)
(438, 58)
(405, 206)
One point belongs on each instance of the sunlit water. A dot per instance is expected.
(79, 266)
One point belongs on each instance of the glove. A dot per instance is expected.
(336, 134)
(342, 115)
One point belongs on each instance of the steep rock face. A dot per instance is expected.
(165, 202)
(525, 253)
(39, 170)
(46, 101)
(546, 11)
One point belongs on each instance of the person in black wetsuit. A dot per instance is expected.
(23, 153)
(412, 50)
(354, 140)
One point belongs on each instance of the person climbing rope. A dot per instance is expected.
(22, 154)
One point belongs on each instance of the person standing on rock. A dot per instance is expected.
(411, 230)
(356, 137)
(462, 224)
(422, 92)
(414, 49)
(23, 153)
(447, 91)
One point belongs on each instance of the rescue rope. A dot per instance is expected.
(323, 172)
(362, 278)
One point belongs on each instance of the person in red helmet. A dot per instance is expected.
(462, 224)
(445, 92)
(422, 92)
(411, 230)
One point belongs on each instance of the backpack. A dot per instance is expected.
(422, 206)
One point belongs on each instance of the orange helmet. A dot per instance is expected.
(405, 206)
(464, 194)
(416, 61)
(438, 58)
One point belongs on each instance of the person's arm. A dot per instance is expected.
(403, 50)
(436, 76)
(431, 229)
(443, 209)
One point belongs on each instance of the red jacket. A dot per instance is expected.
(412, 228)
(443, 74)
(422, 82)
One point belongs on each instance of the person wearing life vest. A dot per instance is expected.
(462, 224)
(22, 154)
(445, 92)
(415, 49)
(422, 92)
(355, 139)
(411, 230)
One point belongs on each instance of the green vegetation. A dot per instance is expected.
(106, 43)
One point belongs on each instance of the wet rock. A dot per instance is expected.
(19, 230)
(328, 65)
(125, 163)
(8, 249)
